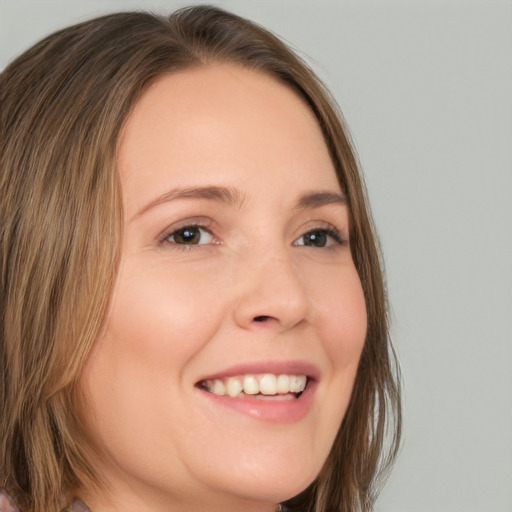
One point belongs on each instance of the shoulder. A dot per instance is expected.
(6, 502)
(77, 506)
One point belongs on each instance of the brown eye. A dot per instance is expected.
(190, 235)
(315, 238)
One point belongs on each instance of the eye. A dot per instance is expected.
(190, 235)
(320, 238)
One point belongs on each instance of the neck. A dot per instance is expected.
(93, 502)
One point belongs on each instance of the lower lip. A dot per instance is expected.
(275, 411)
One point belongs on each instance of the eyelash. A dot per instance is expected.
(328, 230)
(164, 239)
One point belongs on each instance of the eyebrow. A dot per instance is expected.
(235, 197)
(220, 194)
(319, 199)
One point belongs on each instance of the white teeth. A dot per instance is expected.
(233, 387)
(267, 384)
(251, 386)
(218, 387)
(297, 383)
(283, 383)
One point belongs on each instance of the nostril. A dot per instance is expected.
(262, 318)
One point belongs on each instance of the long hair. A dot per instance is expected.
(63, 104)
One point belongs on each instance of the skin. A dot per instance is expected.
(250, 291)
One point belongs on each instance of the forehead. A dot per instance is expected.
(222, 123)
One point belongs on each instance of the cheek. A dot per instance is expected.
(162, 315)
(342, 316)
(343, 325)
(158, 322)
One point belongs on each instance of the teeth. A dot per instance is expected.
(219, 388)
(267, 384)
(297, 383)
(251, 386)
(233, 387)
(283, 384)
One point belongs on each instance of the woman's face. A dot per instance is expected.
(236, 289)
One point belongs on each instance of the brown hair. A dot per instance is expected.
(63, 104)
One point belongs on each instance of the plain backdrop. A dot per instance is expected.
(426, 89)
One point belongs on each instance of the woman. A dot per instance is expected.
(193, 310)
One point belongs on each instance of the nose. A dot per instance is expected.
(271, 294)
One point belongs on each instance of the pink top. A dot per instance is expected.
(7, 504)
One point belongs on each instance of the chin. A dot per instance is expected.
(275, 482)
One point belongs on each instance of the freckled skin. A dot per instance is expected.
(180, 312)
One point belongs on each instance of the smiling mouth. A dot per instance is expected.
(267, 386)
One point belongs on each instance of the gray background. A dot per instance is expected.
(426, 89)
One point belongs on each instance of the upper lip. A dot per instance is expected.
(276, 367)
